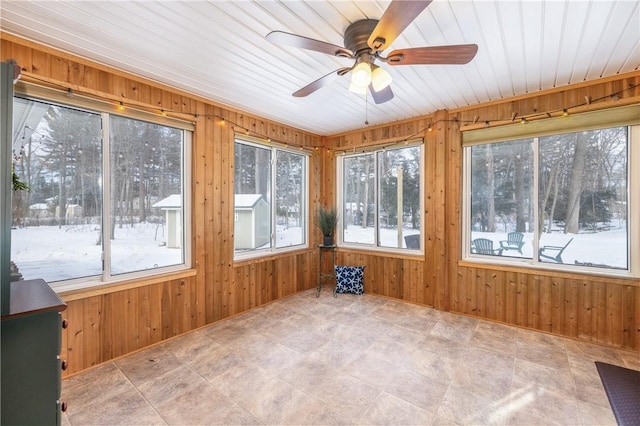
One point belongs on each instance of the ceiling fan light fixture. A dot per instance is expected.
(361, 75)
(380, 78)
(360, 90)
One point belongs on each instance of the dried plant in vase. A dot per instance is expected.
(327, 220)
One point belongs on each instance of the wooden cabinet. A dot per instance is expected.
(31, 365)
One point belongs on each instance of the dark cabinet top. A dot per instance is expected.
(30, 297)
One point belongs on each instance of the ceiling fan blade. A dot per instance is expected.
(453, 54)
(288, 39)
(382, 96)
(395, 19)
(321, 82)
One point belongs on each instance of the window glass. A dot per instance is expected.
(501, 199)
(381, 198)
(398, 196)
(290, 199)
(579, 215)
(259, 225)
(146, 228)
(583, 198)
(252, 211)
(56, 223)
(62, 229)
(358, 212)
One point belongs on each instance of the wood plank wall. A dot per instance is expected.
(591, 308)
(105, 324)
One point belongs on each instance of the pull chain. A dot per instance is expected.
(366, 108)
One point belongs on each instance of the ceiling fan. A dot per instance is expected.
(364, 42)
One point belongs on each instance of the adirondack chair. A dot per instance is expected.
(555, 252)
(412, 241)
(513, 242)
(484, 246)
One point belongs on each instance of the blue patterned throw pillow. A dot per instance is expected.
(349, 279)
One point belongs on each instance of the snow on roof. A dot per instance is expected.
(39, 206)
(173, 201)
(246, 200)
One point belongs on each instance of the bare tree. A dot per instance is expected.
(576, 182)
(552, 158)
(491, 190)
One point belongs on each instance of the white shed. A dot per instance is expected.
(172, 205)
(39, 210)
(252, 224)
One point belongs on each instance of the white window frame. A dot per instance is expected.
(105, 110)
(340, 199)
(273, 249)
(633, 218)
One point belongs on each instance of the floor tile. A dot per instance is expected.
(390, 410)
(346, 394)
(466, 408)
(262, 394)
(349, 360)
(547, 408)
(203, 404)
(596, 415)
(317, 413)
(94, 386)
(417, 389)
(546, 378)
(147, 365)
(124, 408)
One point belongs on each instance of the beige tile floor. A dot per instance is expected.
(349, 360)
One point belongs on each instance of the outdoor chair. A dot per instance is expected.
(555, 252)
(513, 242)
(484, 246)
(412, 241)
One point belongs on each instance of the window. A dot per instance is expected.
(270, 211)
(380, 198)
(107, 195)
(561, 200)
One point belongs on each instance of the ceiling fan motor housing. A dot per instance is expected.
(357, 34)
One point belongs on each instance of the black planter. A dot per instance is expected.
(327, 240)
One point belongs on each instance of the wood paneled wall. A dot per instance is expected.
(108, 323)
(592, 308)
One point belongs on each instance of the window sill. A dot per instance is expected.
(417, 255)
(112, 287)
(269, 256)
(626, 279)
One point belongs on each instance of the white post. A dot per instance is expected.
(399, 172)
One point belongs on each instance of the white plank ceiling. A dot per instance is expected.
(217, 49)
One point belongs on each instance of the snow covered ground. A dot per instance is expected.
(598, 248)
(56, 254)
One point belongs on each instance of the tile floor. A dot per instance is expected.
(349, 360)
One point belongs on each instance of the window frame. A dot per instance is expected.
(105, 110)
(274, 148)
(374, 151)
(633, 210)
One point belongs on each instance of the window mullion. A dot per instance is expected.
(376, 180)
(633, 197)
(340, 197)
(535, 241)
(272, 189)
(466, 194)
(105, 229)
